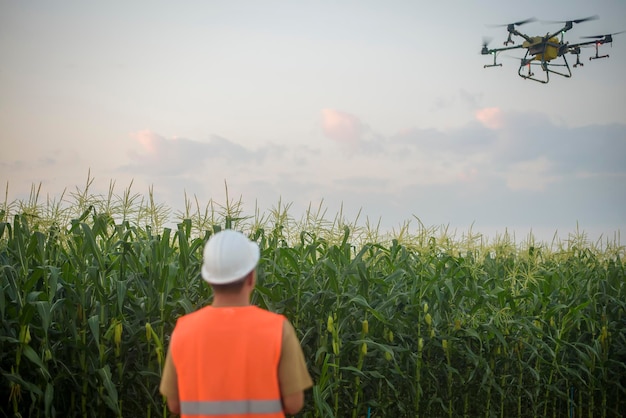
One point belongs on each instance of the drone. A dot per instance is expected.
(547, 52)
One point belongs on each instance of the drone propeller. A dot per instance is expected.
(603, 36)
(521, 22)
(510, 27)
(584, 19)
(485, 44)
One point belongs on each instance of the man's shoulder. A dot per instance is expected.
(198, 312)
(269, 314)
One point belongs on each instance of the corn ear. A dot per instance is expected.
(25, 334)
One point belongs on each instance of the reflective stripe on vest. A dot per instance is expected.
(230, 407)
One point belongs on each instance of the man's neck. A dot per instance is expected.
(223, 301)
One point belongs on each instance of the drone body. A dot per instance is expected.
(542, 50)
(548, 52)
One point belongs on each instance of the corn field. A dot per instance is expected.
(405, 325)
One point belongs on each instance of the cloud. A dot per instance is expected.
(533, 175)
(148, 140)
(158, 155)
(527, 136)
(527, 170)
(530, 172)
(471, 145)
(600, 149)
(342, 127)
(528, 153)
(490, 117)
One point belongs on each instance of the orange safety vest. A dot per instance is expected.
(226, 362)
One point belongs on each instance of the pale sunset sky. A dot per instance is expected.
(377, 107)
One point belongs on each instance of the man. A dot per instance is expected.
(232, 358)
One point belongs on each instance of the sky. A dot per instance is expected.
(381, 109)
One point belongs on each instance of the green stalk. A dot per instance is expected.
(118, 329)
(357, 380)
(488, 407)
(82, 353)
(552, 369)
(83, 364)
(547, 396)
(15, 394)
(418, 373)
(537, 391)
(149, 333)
(604, 346)
(520, 378)
(446, 348)
(466, 397)
(336, 348)
(502, 386)
(418, 360)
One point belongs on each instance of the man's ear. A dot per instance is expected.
(251, 280)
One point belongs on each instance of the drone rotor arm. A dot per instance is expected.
(497, 50)
(512, 31)
(597, 41)
(579, 44)
(568, 24)
(522, 35)
(602, 39)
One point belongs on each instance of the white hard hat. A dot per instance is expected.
(228, 256)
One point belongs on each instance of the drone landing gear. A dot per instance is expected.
(529, 75)
(545, 66)
(578, 63)
(494, 62)
(598, 56)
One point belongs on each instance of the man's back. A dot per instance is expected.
(226, 360)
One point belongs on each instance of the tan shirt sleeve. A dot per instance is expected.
(169, 381)
(293, 374)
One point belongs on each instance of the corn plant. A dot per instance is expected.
(410, 324)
